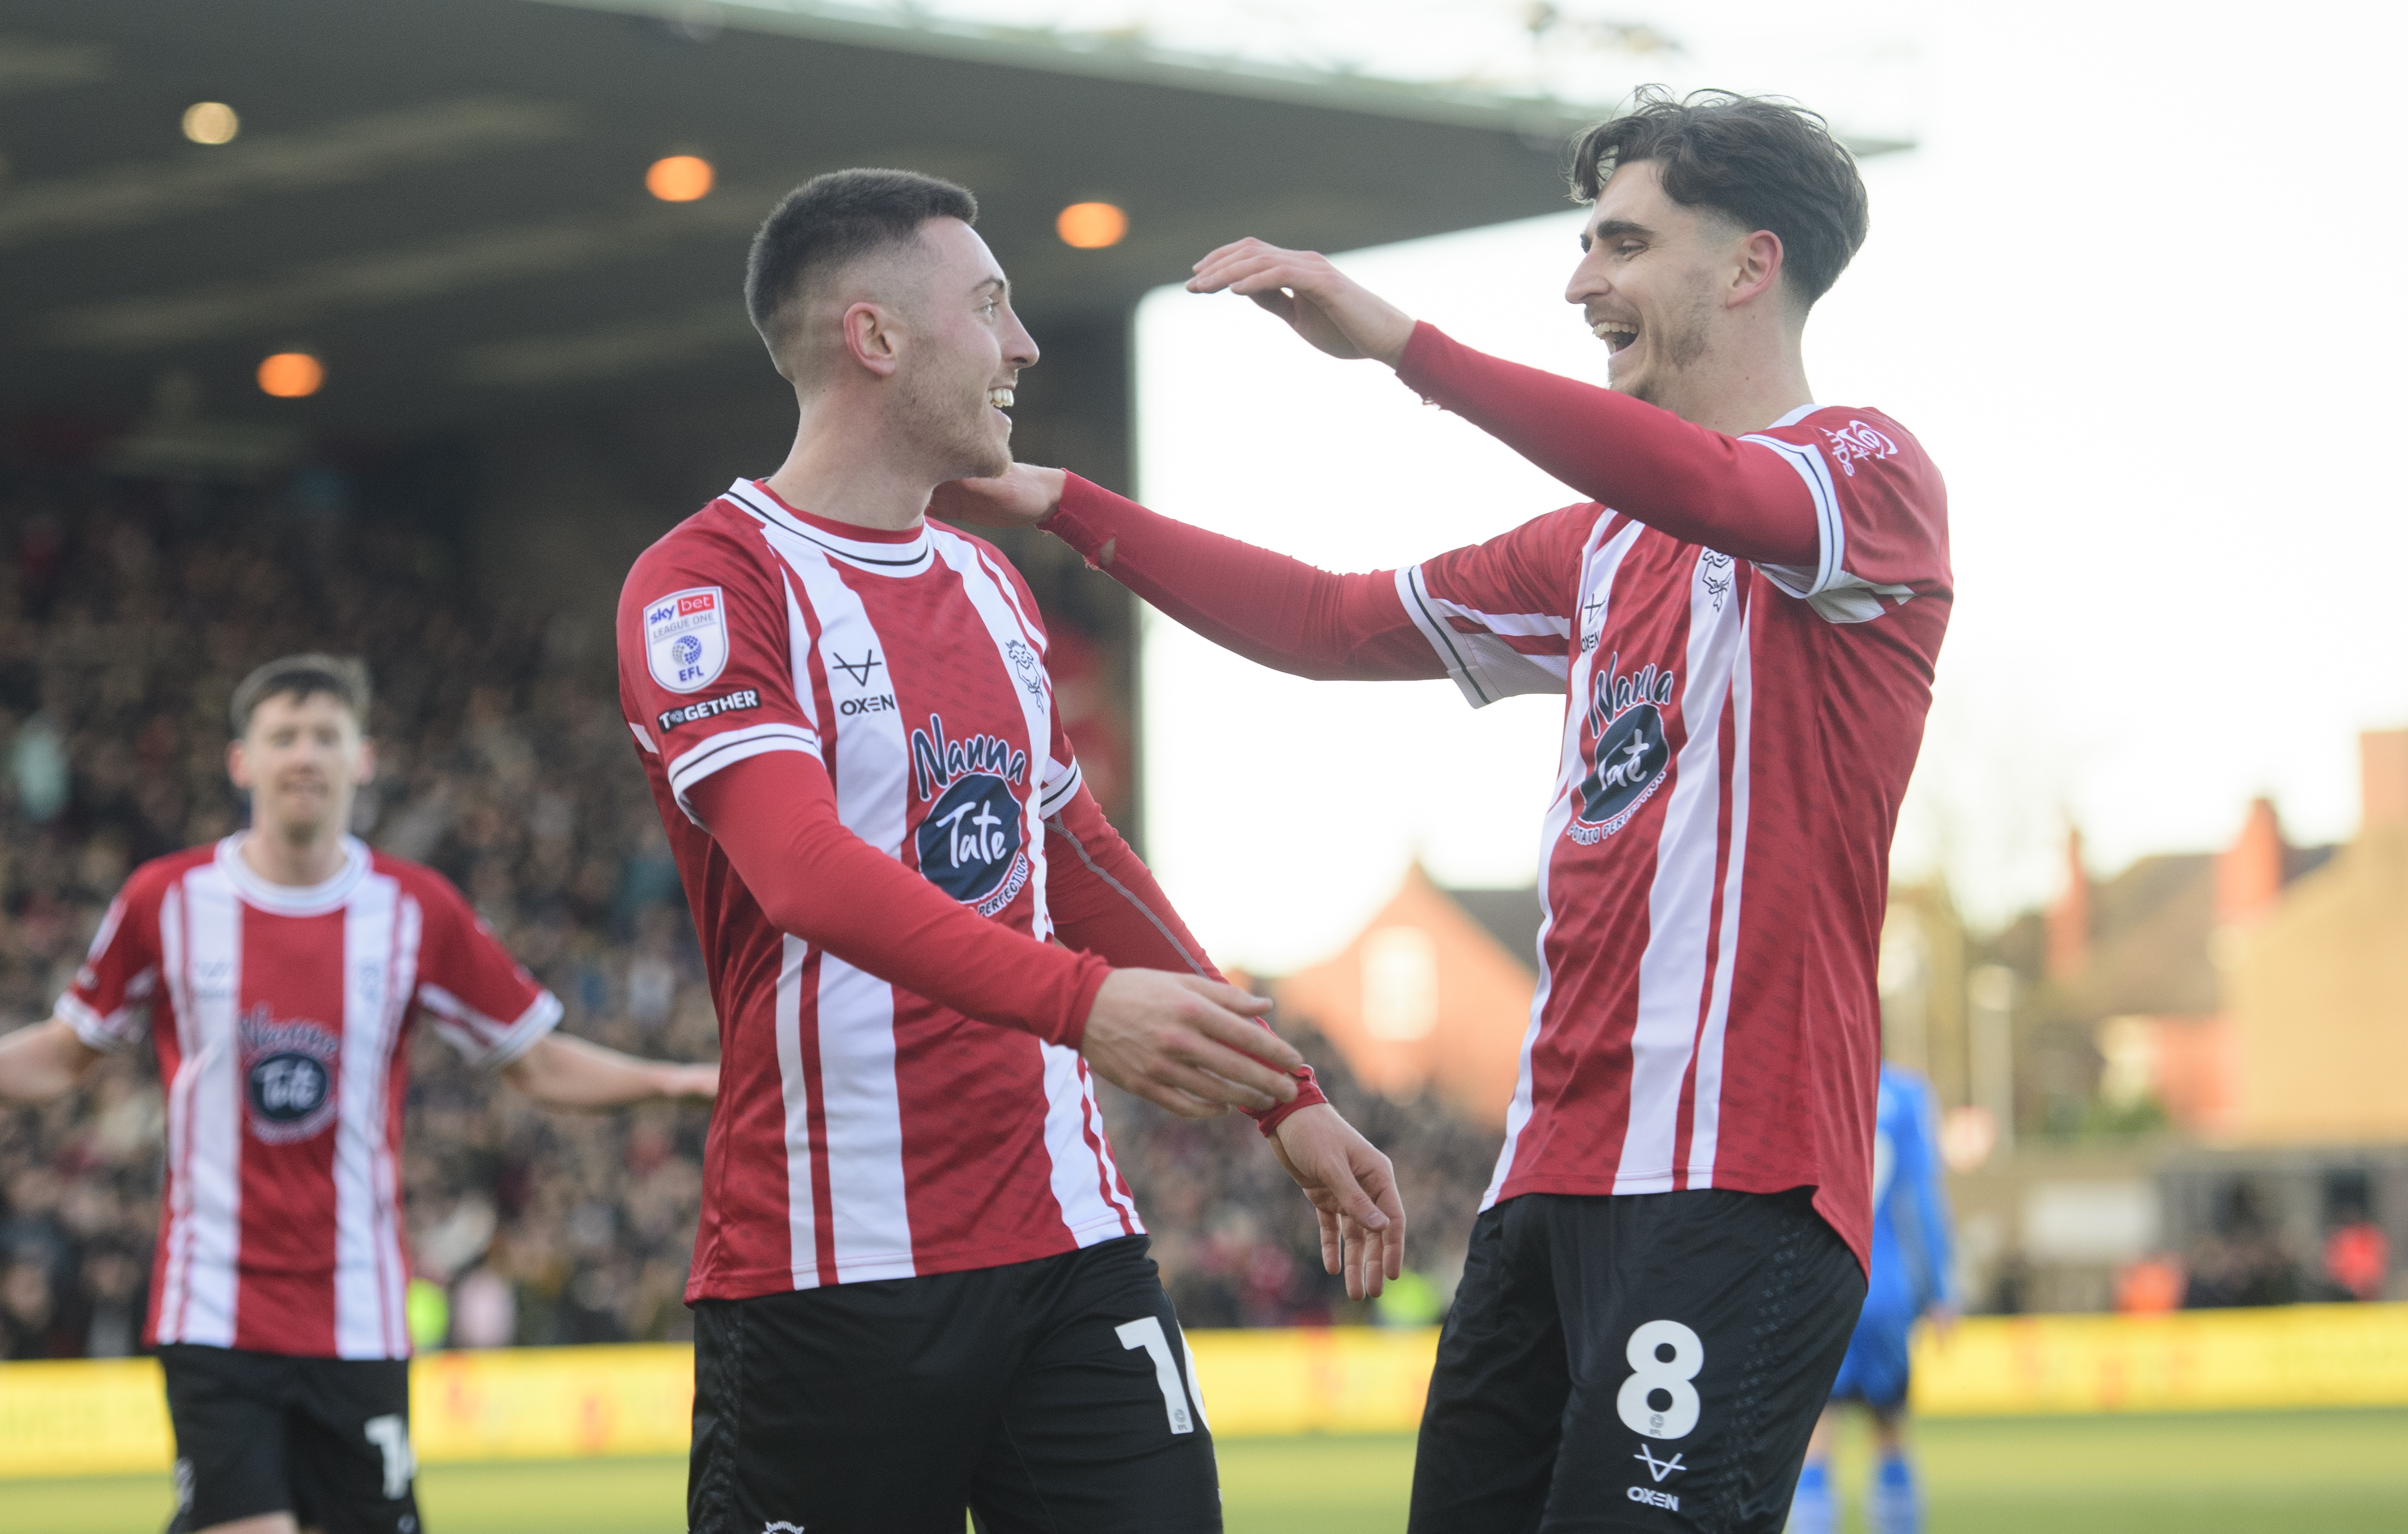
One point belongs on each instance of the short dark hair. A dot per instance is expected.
(831, 221)
(1765, 162)
(302, 677)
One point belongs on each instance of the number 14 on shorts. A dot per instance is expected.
(1657, 1400)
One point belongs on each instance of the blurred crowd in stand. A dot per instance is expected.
(128, 610)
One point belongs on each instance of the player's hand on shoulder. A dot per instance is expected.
(1353, 1189)
(1187, 1044)
(1023, 495)
(1322, 304)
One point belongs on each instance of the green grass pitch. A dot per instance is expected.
(2337, 1472)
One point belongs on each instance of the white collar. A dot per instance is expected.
(909, 557)
(1794, 416)
(293, 899)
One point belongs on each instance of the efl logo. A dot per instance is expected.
(685, 638)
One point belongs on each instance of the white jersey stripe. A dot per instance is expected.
(802, 1227)
(1596, 571)
(409, 932)
(860, 1103)
(1031, 688)
(213, 973)
(1121, 1201)
(1705, 1126)
(177, 1236)
(1680, 898)
(366, 1295)
(864, 1113)
(1482, 666)
(1078, 1177)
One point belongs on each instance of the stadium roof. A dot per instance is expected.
(444, 199)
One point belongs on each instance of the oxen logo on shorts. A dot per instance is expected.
(970, 840)
(288, 1075)
(1632, 752)
(685, 638)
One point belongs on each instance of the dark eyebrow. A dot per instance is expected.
(1001, 284)
(1611, 227)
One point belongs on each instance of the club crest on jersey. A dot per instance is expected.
(970, 840)
(288, 1075)
(1855, 442)
(685, 638)
(1631, 755)
(1032, 670)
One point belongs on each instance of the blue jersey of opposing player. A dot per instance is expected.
(1911, 1250)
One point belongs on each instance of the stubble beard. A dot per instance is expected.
(957, 440)
(1683, 346)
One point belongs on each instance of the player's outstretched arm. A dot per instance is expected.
(42, 1063)
(1274, 610)
(1699, 485)
(1353, 1190)
(560, 1072)
(1177, 1041)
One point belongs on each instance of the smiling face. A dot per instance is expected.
(1655, 282)
(962, 354)
(303, 759)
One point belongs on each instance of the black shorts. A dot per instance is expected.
(326, 1439)
(1054, 1396)
(1648, 1361)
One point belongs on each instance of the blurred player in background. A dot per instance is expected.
(278, 974)
(1743, 625)
(1910, 1280)
(921, 1283)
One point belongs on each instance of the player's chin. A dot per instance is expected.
(990, 460)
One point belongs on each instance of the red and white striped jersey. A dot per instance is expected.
(863, 1131)
(1735, 741)
(280, 1014)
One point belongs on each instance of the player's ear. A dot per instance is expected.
(367, 773)
(236, 769)
(1755, 265)
(870, 335)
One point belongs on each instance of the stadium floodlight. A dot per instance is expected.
(211, 122)
(1091, 226)
(290, 375)
(680, 178)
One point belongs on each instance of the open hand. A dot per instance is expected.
(1187, 1044)
(1353, 1190)
(1319, 302)
(1022, 495)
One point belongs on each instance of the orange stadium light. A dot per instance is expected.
(1091, 226)
(211, 122)
(680, 178)
(292, 374)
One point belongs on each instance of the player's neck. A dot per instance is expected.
(282, 855)
(1741, 388)
(847, 465)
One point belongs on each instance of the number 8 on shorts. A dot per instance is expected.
(1652, 1372)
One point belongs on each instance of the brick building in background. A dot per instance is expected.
(1433, 993)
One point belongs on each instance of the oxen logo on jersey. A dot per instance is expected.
(288, 1075)
(969, 839)
(685, 638)
(1631, 755)
(1855, 441)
